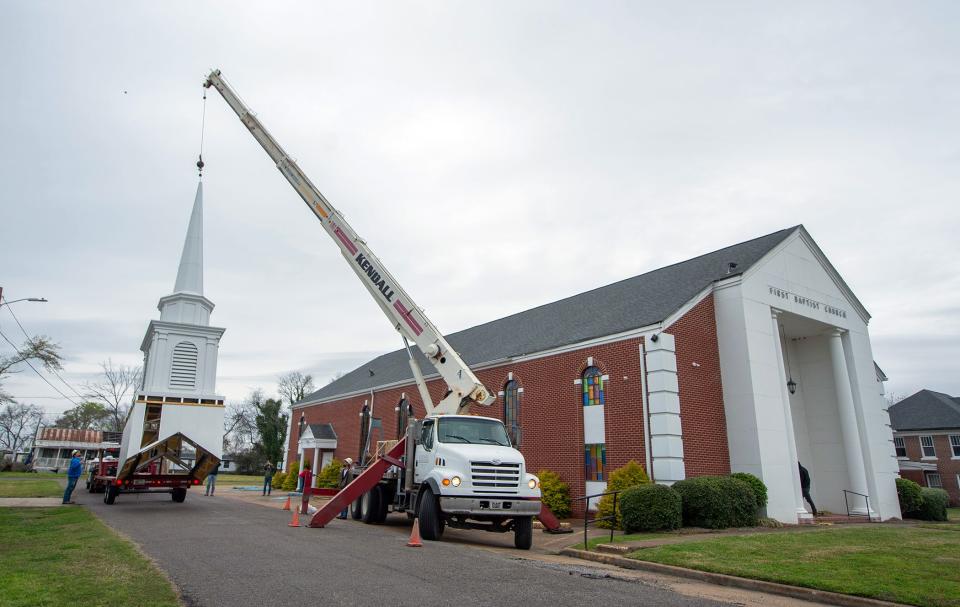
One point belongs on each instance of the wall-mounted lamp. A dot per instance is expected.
(791, 385)
(654, 338)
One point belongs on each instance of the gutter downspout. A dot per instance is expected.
(646, 408)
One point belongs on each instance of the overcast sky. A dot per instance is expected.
(496, 156)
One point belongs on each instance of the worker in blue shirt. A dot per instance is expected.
(73, 475)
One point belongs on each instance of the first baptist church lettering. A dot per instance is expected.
(375, 278)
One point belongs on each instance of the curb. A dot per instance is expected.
(797, 592)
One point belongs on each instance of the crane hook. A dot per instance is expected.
(200, 165)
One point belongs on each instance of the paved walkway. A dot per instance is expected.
(30, 502)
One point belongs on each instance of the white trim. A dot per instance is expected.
(646, 412)
(937, 432)
(644, 332)
(682, 310)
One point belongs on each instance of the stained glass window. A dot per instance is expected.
(593, 388)
(511, 411)
(594, 461)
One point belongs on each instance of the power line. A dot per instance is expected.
(54, 371)
(40, 375)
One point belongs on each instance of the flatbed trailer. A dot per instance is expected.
(157, 468)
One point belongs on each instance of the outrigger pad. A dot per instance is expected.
(166, 457)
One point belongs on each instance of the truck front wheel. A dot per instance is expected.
(110, 494)
(431, 527)
(523, 533)
(178, 494)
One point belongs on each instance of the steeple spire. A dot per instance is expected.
(190, 272)
(187, 304)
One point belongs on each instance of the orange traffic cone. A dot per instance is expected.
(414, 541)
(295, 519)
(286, 504)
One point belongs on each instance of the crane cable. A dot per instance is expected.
(203, 122)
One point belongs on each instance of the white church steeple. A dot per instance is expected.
(179, 390)
(187, 304)
(190, 272)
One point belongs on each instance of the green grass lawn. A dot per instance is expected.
(953, 514)
(4, 475)
(46, 487)
(66, 557)
(915, 565)
(239, 480)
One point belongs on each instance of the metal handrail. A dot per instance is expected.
(587, 521)
(846, 503)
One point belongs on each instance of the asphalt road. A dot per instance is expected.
(221, 551)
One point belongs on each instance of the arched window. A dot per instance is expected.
(183, 366)
(593, 388)
(511, 411)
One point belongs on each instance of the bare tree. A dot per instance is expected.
(37, 349)
(18, 421)
(239, 425)
(112, 390)
(294, 386)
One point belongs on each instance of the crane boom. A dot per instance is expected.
(406, 317)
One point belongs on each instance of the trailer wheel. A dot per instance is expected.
(178, 494)
(110, 495)
(523, 532)
(355, 510)
(431, 527)
(370, 505)
(90, 487)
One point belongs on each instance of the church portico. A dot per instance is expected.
(800, 386)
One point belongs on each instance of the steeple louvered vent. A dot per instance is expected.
(183, 369)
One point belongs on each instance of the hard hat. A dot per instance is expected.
(348, 461)
(75, 452)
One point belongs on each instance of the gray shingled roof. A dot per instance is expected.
(926, 410)
(628, 304)
(323, 431)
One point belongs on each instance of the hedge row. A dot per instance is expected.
(922, 503)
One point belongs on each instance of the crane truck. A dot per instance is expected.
(448, 468)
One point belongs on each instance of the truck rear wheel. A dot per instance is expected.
(523, 533)
(110, 494)
(431, 527)
(370, 505)
(355, 510)
(178, 494)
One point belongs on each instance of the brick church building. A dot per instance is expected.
(751, 358)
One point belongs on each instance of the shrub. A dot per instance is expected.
(630, 475)
(717, 502)
(278, 479)
(759, 489)
(910, 496)
(290, 483)
(934, 506)
(556, 493)
(329, 476)
(650, 508)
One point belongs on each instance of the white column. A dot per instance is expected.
(848, 415)
(788, 418)
(316, 465)
(666, 432)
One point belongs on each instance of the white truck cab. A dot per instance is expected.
(468, 475)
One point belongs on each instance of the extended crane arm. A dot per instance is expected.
(403, 313)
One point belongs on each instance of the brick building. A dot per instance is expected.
(750, 358)
(926, 436)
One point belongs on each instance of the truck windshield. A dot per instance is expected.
(472, 430)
